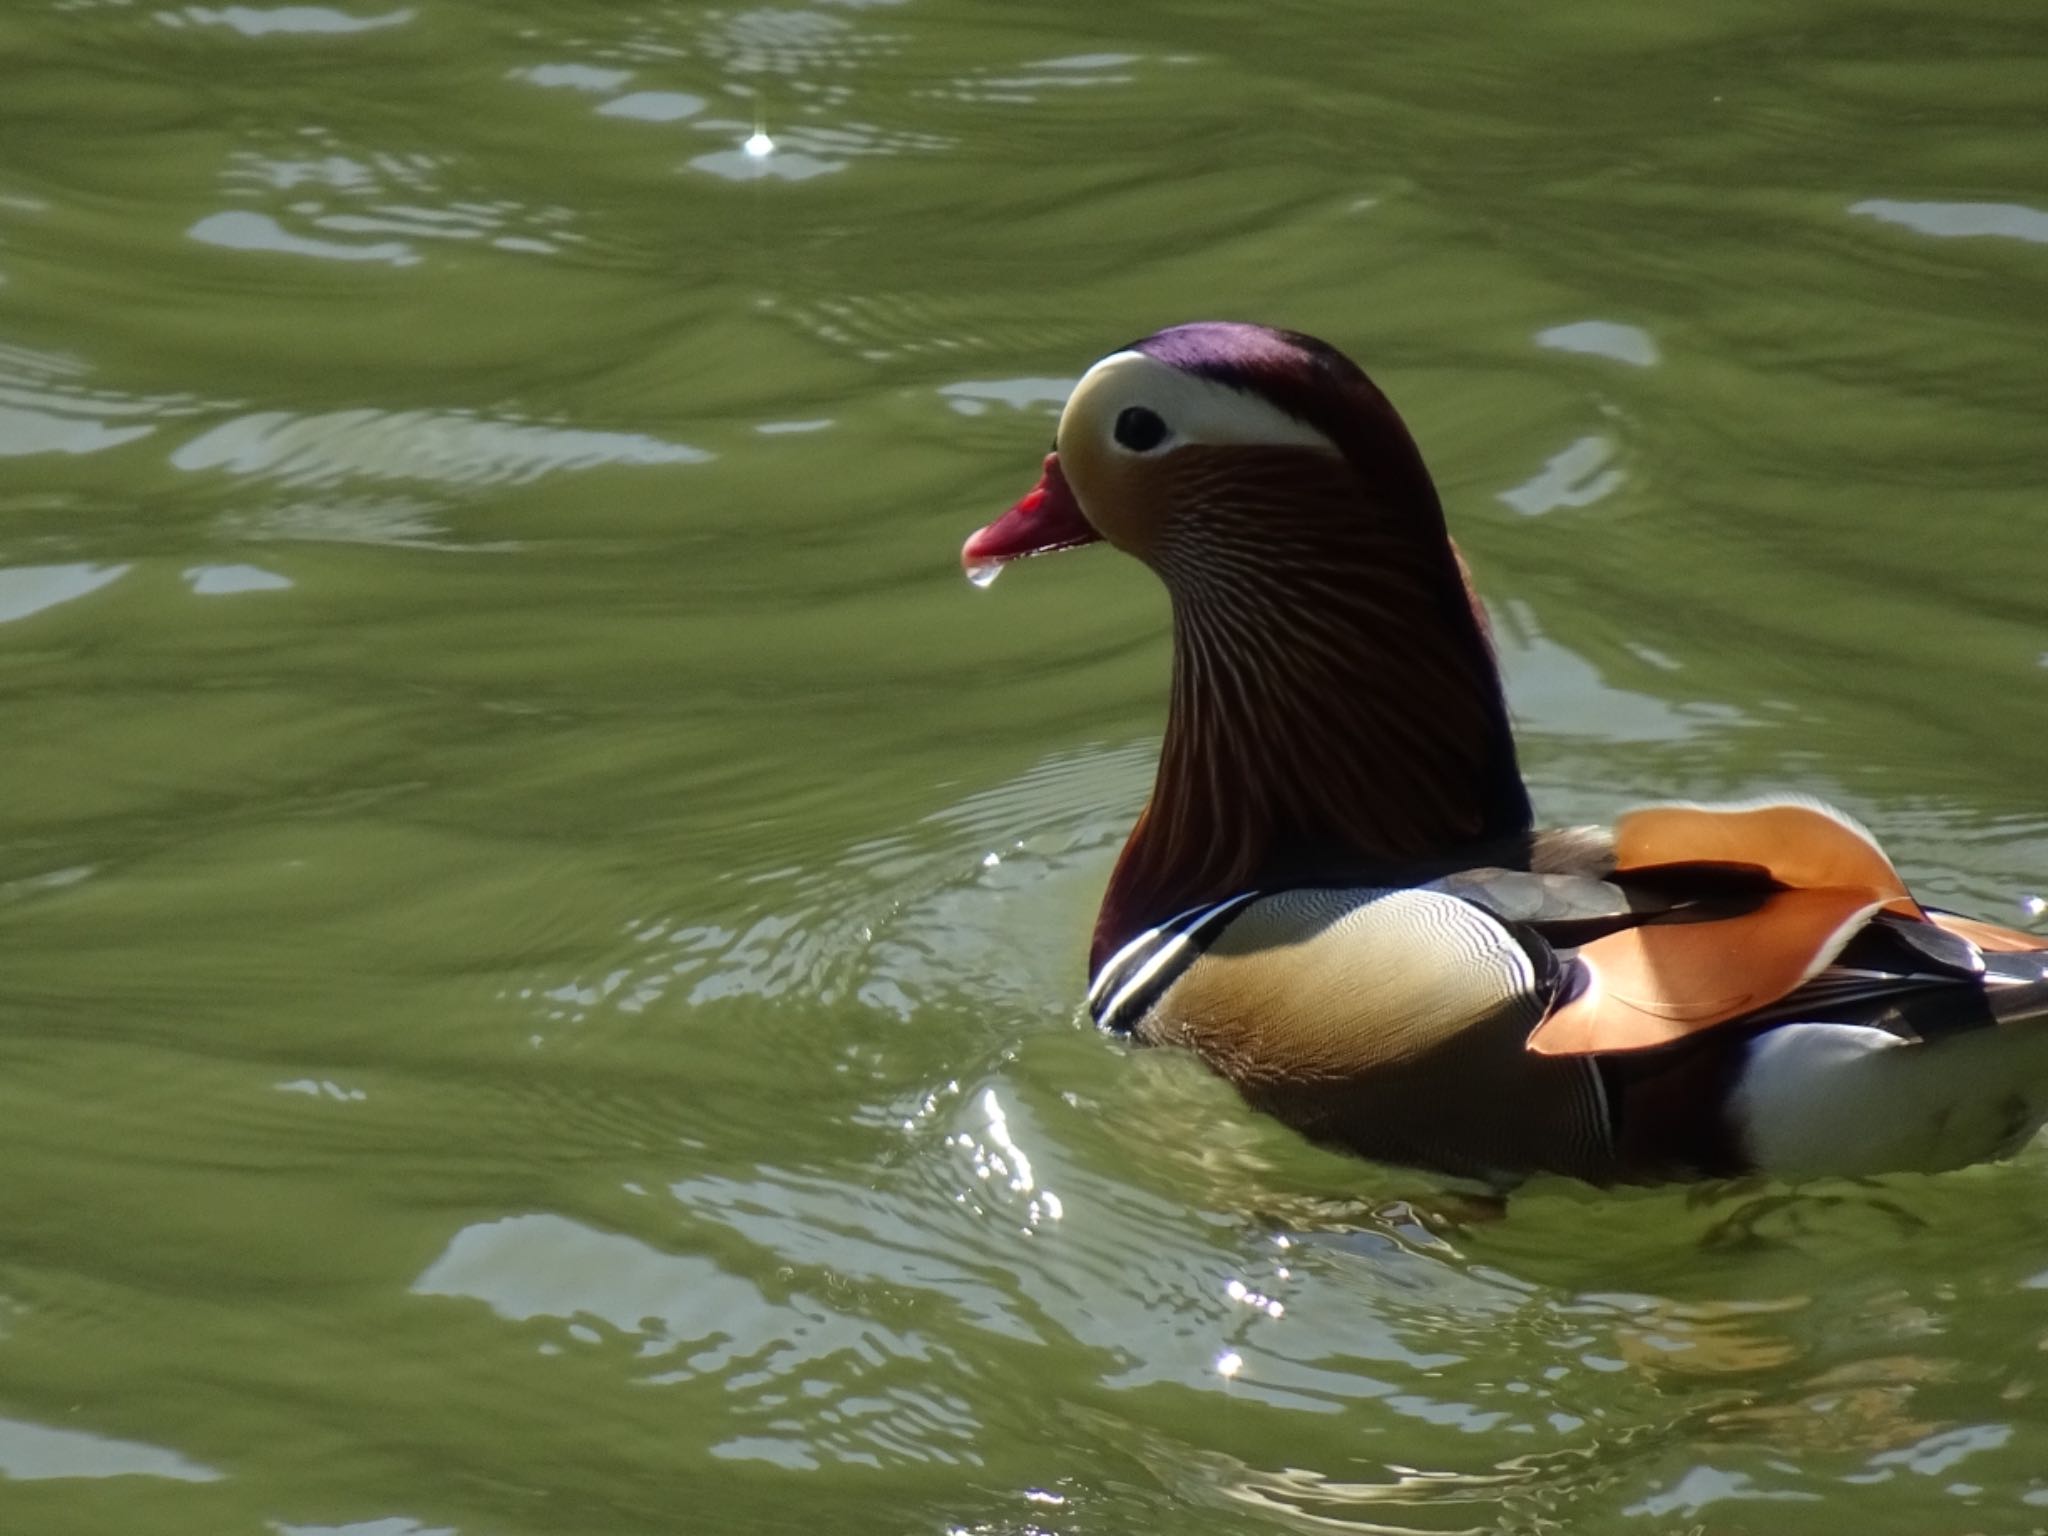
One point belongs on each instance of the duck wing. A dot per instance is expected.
(1761, 904)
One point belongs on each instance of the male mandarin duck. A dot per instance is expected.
(1337, 897)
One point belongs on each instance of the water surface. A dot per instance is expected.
(542, 921)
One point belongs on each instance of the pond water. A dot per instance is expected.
(541, 921)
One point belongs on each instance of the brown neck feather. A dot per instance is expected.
(1335, 703)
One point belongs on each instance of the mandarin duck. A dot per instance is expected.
(1336, 895)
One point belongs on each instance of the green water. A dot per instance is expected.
(540, 920)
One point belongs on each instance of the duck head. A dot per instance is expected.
(1242, 422)
(1335, 706)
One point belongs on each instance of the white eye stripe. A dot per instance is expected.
(1195, 409)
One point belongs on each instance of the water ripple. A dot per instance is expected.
(893, 923)
(801, 151)
(298, 20)
(394, 522)
(688, 1318)
(323, 190)
(1025, 83)
(778, 40)
(453, 447)
(46, 408)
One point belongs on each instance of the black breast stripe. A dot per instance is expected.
(1128, 985)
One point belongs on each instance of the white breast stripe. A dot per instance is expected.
(1167, 951)
(1116, 962)
(1134, 948)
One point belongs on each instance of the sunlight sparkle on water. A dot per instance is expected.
(758, 145)
(1238, 1291)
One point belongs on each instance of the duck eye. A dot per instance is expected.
(1138, 429)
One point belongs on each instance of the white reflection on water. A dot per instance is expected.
(1124, 1273)
(801, 152)
(345, 190)
(787, 165)
(574, 77)
(254, 21)
(698, 1320)
(33, 1452)
(25, 430)
(998, 1158)
(226, 580)
(1553, 689)
(321, 1088)
(449, 446)
(781, 40)
(543, 1265)
(396, 522)
(819, 1224)
(242, 229)
(1936, 1453)
(27, 589)
(1576, 476)
(394, 1525)
(1960, 221)
(1704, 1485)
(1018, 84)
(340, 172)
(1301, 1498)
(1080, 71)
(532, 1266)
(654, 106)
(48, 880)
(973, 397)
(1629, 344)
(1087, 61)
(45, 408)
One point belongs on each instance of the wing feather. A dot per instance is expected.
(1660, 982)
(1797, 842)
